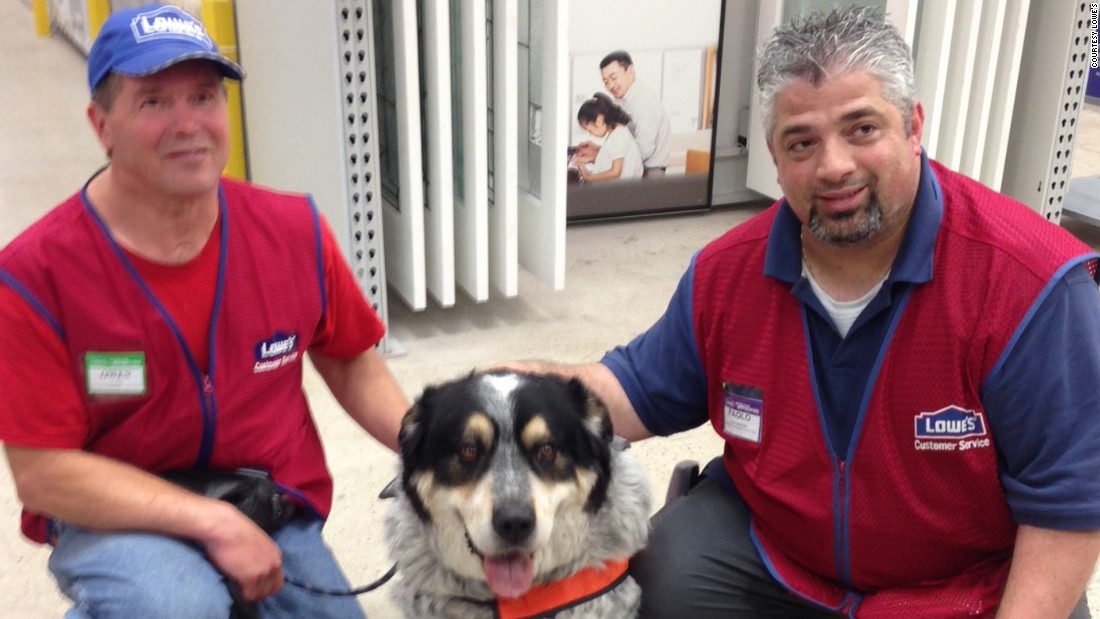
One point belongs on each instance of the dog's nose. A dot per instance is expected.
(514, 523)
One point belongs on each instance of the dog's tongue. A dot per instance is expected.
(509, 575)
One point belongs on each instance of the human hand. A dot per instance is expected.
(576, 163)
(244, 553)
(586, 152)
(582, 170)
(524, 366)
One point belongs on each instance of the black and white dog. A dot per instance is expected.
(513, 502)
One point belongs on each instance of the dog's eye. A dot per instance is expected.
(546, 453)
(469, 452)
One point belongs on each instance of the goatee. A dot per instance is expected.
(849, 228)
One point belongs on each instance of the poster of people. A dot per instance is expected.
(643, 91)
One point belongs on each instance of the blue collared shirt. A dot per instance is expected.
(1044, 393)
(842, 365)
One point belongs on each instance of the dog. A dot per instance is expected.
(514, 501)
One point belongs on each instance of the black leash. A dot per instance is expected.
(242, 609)
(344, 592)
(388, 492)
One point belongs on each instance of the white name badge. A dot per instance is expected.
(743, 412)
(110, 373)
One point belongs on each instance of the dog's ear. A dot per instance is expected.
(597, 417)
(411, 436)
(597, 421)
(411, 440)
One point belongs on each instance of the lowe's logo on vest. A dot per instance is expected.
(275, 352)
(169, 21)
(950, 429)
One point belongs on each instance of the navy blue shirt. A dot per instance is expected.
(1042, 400)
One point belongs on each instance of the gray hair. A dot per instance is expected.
(823, 45)
(106, 91)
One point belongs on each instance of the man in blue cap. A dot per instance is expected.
(155, 323)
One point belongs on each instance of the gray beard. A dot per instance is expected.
(821, 229)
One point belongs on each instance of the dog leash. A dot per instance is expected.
(343, 592)
(388, 492)
(242, 609)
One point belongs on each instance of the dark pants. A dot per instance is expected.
(701, 563)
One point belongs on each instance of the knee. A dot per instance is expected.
(665, 571)
(182, 597)
(137, 575)
(95, 597)
(687, 559)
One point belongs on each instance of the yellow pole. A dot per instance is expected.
(42, 18)
(218, 17)
(98, 12)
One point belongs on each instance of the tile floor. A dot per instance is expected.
(619, 276)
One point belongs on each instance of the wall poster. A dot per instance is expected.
(643, 93)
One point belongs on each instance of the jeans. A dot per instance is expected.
(126, 575)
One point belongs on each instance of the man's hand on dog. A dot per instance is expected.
(244, 553)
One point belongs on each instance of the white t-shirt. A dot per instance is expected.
(619, 144)
(843, 313)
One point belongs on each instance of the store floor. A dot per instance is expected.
(619, 276)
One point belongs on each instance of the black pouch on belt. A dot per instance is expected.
(252, 492)
(249, 490)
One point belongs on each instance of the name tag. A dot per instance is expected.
(743, 411)
(115, 373)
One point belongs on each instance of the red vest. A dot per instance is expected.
(250, 410)
(909, 524)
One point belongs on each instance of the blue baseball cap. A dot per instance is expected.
(145, 40)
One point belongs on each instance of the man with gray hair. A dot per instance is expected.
(867, 348)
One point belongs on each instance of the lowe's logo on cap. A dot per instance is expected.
(950, 423)
(168, 21)
(145, 40)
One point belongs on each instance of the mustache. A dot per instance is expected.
(846, 185)
(821, 227)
